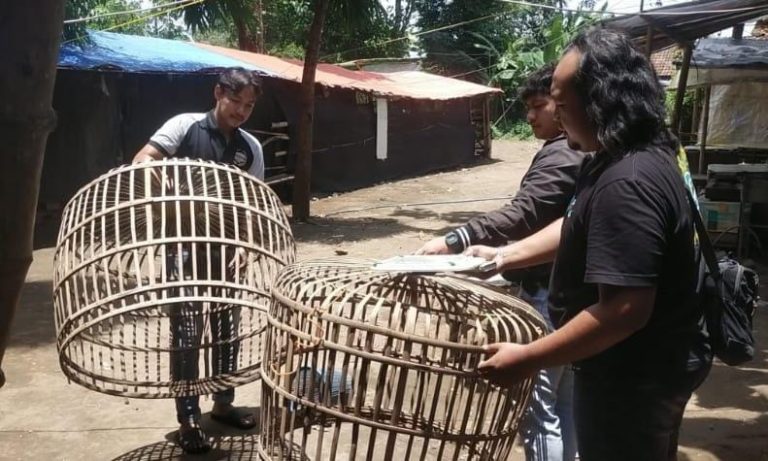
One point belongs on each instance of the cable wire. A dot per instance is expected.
(119, 13)
(141, 19)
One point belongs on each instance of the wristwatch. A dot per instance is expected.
(453, 242)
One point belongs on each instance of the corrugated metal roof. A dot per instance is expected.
(418, 85)
(686, 22)
(130, 53)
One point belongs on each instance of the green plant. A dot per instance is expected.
(512, 129)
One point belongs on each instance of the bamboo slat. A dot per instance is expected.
(161, 278)
(362, 364)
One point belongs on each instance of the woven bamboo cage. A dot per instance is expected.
(363, 364)
(161, 278)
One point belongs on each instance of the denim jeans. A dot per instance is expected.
(547, 429)
(187, 329)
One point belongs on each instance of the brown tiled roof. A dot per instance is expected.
(663, 61)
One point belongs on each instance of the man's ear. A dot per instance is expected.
(218, 92)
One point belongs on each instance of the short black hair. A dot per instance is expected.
(235, 79)
(537, 83)
(621, 93)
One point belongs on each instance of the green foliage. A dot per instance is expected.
(512, 129)
(153, 23)
(499, 24)
(522, 55)
(688, 132)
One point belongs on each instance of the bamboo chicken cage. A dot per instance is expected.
(363, 364)
(161, 278)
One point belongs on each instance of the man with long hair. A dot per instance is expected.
(545, 190)
(623, 290)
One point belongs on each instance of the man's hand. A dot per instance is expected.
(487, 253)
(507, 365)
(436, 246)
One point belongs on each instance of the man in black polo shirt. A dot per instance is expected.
(624, 281)
(545, 190)
(214, 136)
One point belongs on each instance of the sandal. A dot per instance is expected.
(236, 417)
(193, 440)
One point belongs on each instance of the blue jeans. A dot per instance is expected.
(187, 327)
(547, 429)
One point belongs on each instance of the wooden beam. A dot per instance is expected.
(661, 27)
(649, 42)
(682, 85)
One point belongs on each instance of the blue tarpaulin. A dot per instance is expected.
(130, 53)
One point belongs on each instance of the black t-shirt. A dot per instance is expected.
(629, 225)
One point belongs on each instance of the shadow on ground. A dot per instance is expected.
(227, 444)
(33, 324)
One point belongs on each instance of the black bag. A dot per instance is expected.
(729, 294)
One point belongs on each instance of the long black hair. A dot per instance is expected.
(622, 95)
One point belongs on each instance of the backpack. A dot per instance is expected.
(728, 292)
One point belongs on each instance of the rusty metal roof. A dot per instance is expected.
(409, 84)
(686, 22)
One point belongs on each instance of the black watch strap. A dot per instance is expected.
(454, 242)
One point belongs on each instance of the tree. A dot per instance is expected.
(353, 28)
(153, 23)
(303, 179)
(216, 13)
(29, 44)
(454, 50)
(524, 55)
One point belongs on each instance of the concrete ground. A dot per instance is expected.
(42, 417)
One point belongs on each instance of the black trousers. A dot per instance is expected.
(634, 419)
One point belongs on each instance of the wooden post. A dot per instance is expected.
(682, 84)
(738, 31)
(704, 128)
(488, 140)
(29, 44)
(303, 180)
(649, 42)
(696, 111)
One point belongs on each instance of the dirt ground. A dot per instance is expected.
(42, 417)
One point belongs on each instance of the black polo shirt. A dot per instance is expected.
(629, 225)
(196, 135)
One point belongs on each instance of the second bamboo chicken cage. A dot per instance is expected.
(362, 364)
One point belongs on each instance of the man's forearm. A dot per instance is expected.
(596, 328)
(539, 248)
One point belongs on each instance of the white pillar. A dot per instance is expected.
(382, 128)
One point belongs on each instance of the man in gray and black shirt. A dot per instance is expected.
(544, 194)
(214, 136)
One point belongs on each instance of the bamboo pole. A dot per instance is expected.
(704, 129)
(682, 84)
